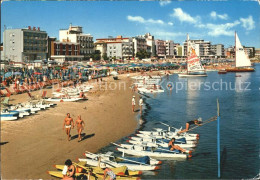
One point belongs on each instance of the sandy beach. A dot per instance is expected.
(30, 146)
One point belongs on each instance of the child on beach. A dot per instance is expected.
(80, 126)
(141, 104)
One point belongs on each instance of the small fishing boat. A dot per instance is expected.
(134, 164)
(150, 90)
(194, 66)
(243, 63)
(6, 115)
(160, 142)
(222, 71)
(156, 152)
(63, 99)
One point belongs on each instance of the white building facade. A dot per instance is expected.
(75, 34)
(24, 45)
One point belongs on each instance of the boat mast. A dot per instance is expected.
(187, 52)
(235, 48)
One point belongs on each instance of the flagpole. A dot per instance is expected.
(218, 139)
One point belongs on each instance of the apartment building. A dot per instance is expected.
(75, 35)
(169, 48)
(202, 48)
(24, 45)
(160, 48)
(65, 51)
(119, 47)
(218, 50)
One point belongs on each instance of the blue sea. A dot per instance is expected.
(190, 98)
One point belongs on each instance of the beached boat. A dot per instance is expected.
(6, 115)
(107, 160)
(223, 71)
(156, 152)
(167, 135)
(63, 99)
(144, 159)
(243, 63)
(194, 66)
(58, 174)
(150, 90)
(160, 142)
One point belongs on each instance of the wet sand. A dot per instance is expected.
(30, 146)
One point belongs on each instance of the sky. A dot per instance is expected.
(214, 21)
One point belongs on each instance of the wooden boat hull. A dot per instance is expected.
(192, 75)
(240, 70)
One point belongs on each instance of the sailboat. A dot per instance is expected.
(194, 67)
(243, 63)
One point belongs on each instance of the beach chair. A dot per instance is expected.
(5, 102)
(31, 96)
(2, 93)
(44, 93)
(8, 91)
(17, 91)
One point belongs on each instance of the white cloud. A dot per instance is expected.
(168, 35)
(248, 23)
(220, 29)
(214, 15)
(164, 2)
(183, 16)
(140, 19)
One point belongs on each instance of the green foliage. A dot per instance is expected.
(143, 54)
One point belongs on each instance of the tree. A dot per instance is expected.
(104, 56)
(143, 54)
(96, 55)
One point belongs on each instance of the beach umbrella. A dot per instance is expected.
(37, 73)
(17, 73)
(8, 74)
(114, 73)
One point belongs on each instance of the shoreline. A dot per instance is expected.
(37, 142)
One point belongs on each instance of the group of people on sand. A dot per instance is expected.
(141, 103)
(69, 124)
(69, 172)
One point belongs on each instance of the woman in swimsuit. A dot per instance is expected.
(188, 124)
(80, 126)
(70, 174)
(110, 173)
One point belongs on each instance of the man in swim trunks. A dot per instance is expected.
(80, 126)
(68, 123)
(172, 146)
(188, 124)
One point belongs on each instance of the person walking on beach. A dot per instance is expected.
(141, 104)
(80, 126)
(69, 170)
(189, 123)
(133, 104)
(68, 124)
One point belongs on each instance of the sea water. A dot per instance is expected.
(194, 97)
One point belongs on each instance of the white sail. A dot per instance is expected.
(242, 59)
(193, 61)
